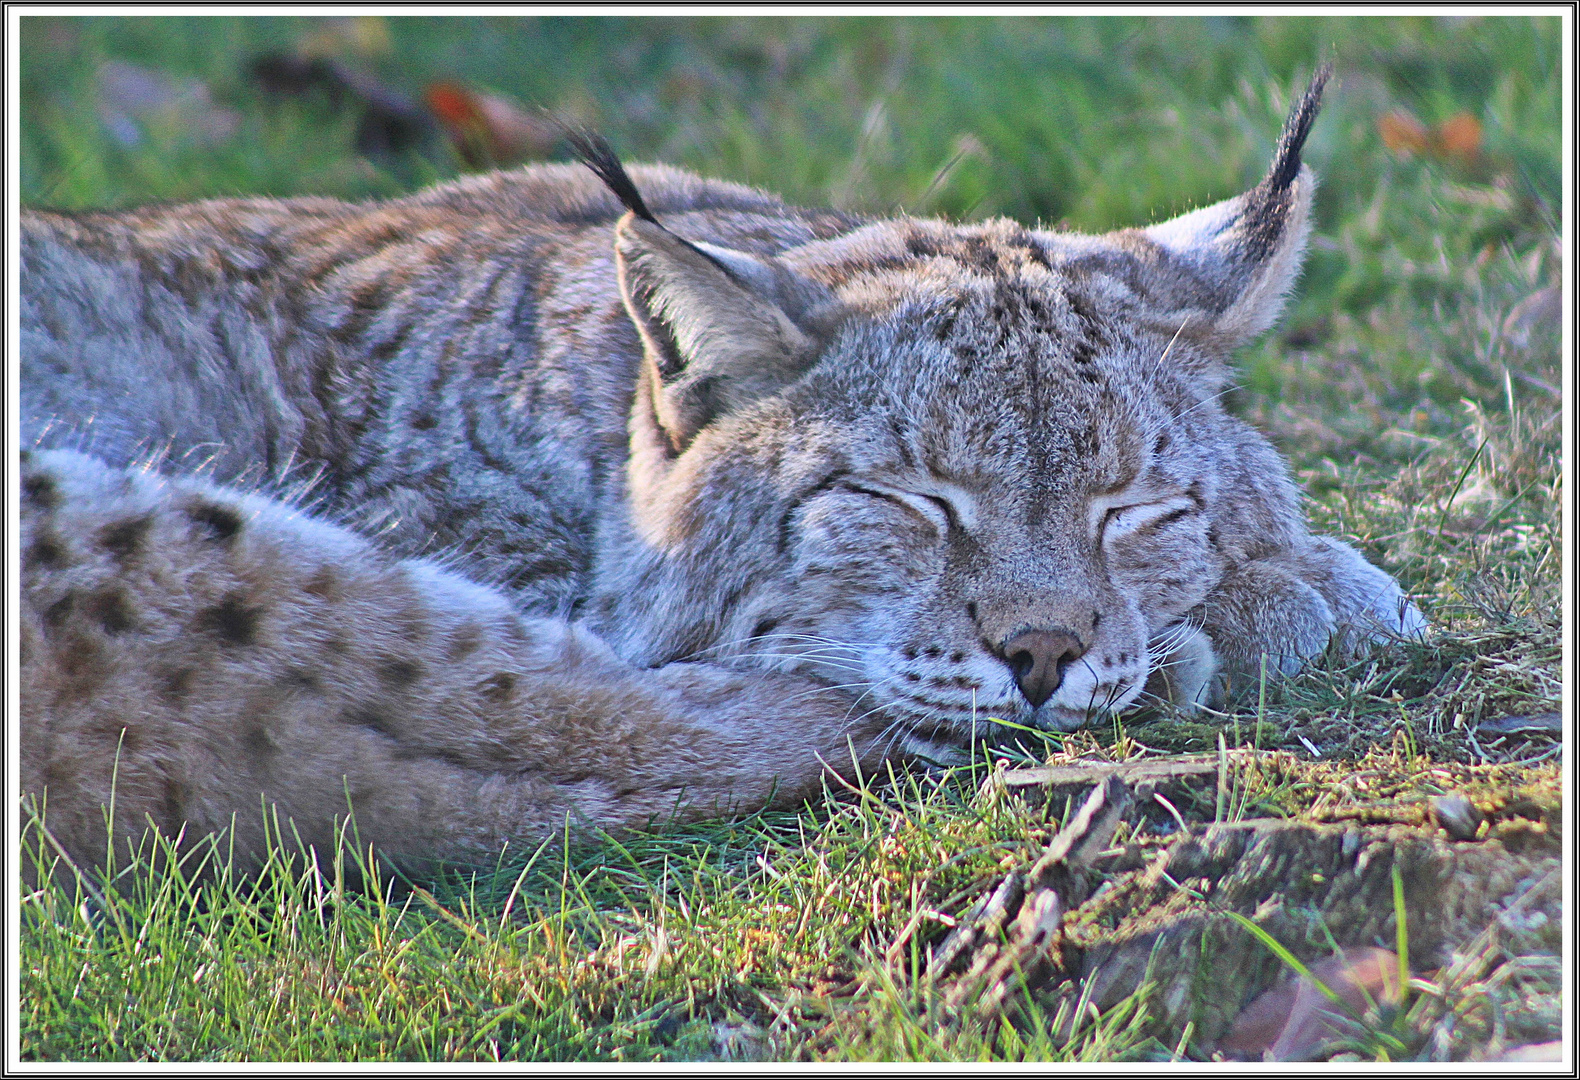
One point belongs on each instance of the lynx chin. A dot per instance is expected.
(572, 493)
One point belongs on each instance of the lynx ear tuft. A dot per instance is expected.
(1286, 159)
(1237, 259)
(594, 151)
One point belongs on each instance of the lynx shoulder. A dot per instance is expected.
(531, 496)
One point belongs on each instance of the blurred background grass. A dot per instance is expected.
(1089, 121)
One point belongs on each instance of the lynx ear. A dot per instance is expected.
(720, 328)
(1236, 260)
(716, 324)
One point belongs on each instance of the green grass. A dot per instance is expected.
(649, 948)
(1418, 411)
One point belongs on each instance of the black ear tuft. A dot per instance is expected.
(1286, 160)
(595, 152)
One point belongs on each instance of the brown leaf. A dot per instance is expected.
(489, 130)
(1402, 133)
(1296, 1021)
(1458, 136)
(1457, 815)
(390, 123)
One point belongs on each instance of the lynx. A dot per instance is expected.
(578, 497)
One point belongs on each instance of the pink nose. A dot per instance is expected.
(1038, 659)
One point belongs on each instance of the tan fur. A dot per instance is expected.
(605, 518)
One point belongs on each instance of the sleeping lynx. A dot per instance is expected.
(516, 508)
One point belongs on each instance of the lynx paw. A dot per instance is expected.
(1368, 606)
(1279, 612)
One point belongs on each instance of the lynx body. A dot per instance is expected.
(518, 503)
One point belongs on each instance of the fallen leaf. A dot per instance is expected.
(389, 124)
(489, 130)
(1458, 136)
(1402, 133)
(286, 73)
(1545, 305)
(1296, 1021)
(1457, 815)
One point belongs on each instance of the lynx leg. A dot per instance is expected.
(215, 652)
(1265, 609)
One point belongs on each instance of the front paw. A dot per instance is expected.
(1276, 613)
(1367, 602)
(1368, 605)
(1265, 617)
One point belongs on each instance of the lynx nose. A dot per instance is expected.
(1038, 659)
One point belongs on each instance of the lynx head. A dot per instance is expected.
(965, 471)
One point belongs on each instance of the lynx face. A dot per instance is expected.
(1026, 542)
(992, 496)
(1016, 561)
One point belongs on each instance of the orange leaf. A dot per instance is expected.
(1459, 136)
(1401, 132)
(489, 130)
(451, 103)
